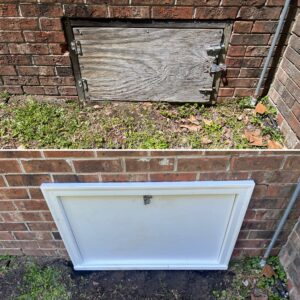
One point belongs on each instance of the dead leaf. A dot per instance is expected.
(193, 120)
(260, 108)
(207, 122)
(191, 127)
(205, 140)
(254, 137)
(268, 271)
(274, 145)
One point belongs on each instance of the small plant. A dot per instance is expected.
(245, 102)
(5, 96)
(43, 283)
(249, 275)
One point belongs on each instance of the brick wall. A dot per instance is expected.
(285, 90)
(290, 258)
(26, 226)
(34, 57)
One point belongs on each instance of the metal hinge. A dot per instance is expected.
(82, 83)
(207, 92)
(214, 50)
(76, 47)
(217, 68)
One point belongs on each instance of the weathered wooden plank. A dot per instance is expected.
(147, 64)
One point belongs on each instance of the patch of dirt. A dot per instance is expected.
(120, 284)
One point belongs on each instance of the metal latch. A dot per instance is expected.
(76, 47)
(214, 50)
(82, 83)
(206, 91)
(147, 199)
(218, 68)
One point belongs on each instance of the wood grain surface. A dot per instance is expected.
(147, 64)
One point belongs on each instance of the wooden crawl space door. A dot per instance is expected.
(146, 61)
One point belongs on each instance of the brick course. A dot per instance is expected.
(26, 226)
(285, 90)
(290, 258)
(34, 57)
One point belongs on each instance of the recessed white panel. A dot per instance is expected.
(186, 225)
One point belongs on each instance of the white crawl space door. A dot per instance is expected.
(134, 226)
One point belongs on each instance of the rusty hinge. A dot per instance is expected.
(76, 47)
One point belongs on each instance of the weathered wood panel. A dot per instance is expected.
(147, 64)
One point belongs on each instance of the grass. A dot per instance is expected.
(42, 283)
(32, 124)
(249, 276)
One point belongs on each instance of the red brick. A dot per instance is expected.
(11, 36)
(169, 12)
(263, 13)
(203, 164)
(8, 10)
(256, 163)
(35, 193)
(41, 10)
(242, 26)
(136, 12)
(13, 227)
(6, 236)
(20, 244)
(22, 216)
(124, 177)
(85, 11)
(33, 235)
(34, 90)
(243, 2)
(55, 166)
(251, 244)
(3, 49)
(67, 90)
(19, 23)
(250, 39)
(58, 48)
(264, 27)
(8, 70)
(13, 193)
(28, 49)
(41, 226)
(218, 13)
(18, 60)
(13, 90)
(56, 80)
(280, 190)
(20, 80)
(69, 153)
(92, 166)
(257, 51)
(7, 206)
(9, 166)
(292, 163)
(149, 164)
(76, 178)
(226, 92)
(173, 177)
(2, 183)
(155, 2)
(51, 60)
(27, 179)
(44, 36)
(48, 24)
(18, 154)
(31, 205)
(236, 50)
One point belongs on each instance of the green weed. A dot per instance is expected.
(43, 283)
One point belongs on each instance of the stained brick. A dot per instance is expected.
(149, 164)
(258, 163)
(27, 179)
(55, 166)
(170, 12)
(103, 165)
(9, 166)
(203, 164)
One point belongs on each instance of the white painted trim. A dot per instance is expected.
(241, 189)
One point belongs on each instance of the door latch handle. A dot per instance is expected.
(147, 199)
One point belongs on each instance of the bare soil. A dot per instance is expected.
(119, 284)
